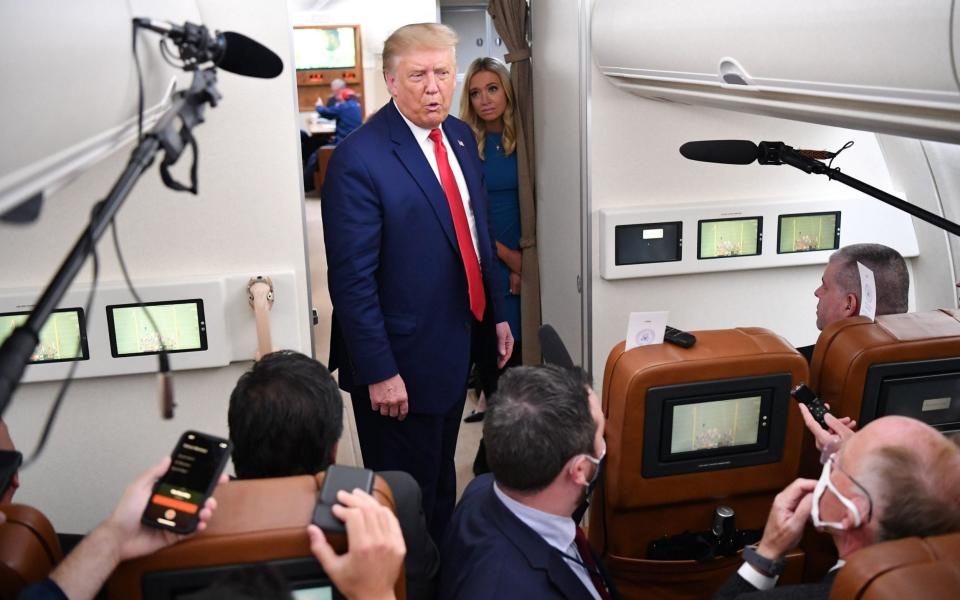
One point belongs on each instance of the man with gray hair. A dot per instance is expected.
(895, 478)
(839, 292)
(512, 535)
(412, 268)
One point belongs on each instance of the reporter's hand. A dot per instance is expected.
(371, 565)
(788, 516)
(838, 427)
(389, 397)
(134, 539)
(504, 344)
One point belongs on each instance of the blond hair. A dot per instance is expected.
(468, 114)
(417, 35)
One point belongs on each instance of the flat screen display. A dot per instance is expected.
(808, 232)
(314, 593)
(181, 326)
(725, 238)
(648, 243)
(324, 48)
(62, 338)
(715, 424)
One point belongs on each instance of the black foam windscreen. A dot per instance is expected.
(244, 56)
(552, 348)
(729, 152)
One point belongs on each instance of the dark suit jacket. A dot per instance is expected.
(738, 588)
(488, 552)
(396, 278)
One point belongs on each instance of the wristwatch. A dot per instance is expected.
(770, 568)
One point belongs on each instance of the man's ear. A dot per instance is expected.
(578, 469)
(391, 81)
(851, 308)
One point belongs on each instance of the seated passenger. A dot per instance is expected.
(285, 418)
(512, 535)
(895, 478)
(346, 112)
(839, 291)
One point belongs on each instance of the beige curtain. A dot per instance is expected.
(511, 18)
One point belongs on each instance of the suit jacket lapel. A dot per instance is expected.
(539, 554)
(410, 154)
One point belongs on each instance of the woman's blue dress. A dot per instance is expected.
(500, 173)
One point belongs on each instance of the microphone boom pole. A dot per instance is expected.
(188, 106)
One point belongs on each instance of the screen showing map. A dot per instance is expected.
(723, 238)
(62, 337)
(809, 232)
(324, 48)
(715, 424)
(180, 325)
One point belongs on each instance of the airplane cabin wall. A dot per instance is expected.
(247, 219)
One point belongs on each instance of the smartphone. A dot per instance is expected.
(808, 398)
(339, 477)
(9, 463)
(178, 496)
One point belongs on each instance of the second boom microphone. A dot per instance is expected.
(744, 152)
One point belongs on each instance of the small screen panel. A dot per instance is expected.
(314, 593)
(808, 232)
(62, 338)
(715, 424)
(725, 238)
(324, 48)
(648, 243)
(180, 323)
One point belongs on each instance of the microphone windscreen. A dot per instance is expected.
(728, 152)
(244, 56)
(552, 348)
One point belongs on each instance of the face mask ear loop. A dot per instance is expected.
(825, 483)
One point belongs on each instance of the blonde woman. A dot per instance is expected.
(487, 105)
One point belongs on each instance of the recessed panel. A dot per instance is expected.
(645, 243)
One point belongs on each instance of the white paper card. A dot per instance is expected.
(868, 293)
(646, 328)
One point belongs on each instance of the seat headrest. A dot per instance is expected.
(29, 548)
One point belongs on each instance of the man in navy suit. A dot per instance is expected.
(512, 535)
(411, 268)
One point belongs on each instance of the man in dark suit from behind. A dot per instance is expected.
(512, 535)
(286, 417)
(895, 478)
(838, 296)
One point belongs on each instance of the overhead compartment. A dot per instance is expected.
(881, 65)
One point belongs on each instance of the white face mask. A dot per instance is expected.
(824, 483)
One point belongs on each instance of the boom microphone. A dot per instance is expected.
(744, 152)
(231, 51)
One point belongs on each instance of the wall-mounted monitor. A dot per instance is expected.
(181, 326)
(706, 426)
(808, 232)
(303, 578)
(325, 48)
(725, 238)
(927, 390)
(648, 243)
(62, 338)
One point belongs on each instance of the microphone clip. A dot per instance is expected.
(778, 153)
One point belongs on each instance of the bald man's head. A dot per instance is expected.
(912, 472)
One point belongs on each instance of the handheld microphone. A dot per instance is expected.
(231, 51)
(744, 152)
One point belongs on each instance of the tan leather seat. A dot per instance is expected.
(29, 548)
(323, 159)
(926, 568)
(632, 510)
(256, 521)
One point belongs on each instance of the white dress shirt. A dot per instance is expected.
(559, 532)
(426, 145)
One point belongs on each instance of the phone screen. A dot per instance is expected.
(179, 495)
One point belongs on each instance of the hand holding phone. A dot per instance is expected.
(178, 496)
(339, 477)
(808, 398)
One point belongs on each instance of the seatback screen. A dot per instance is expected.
(62, 338)
(808, 232)
(180, 327)
(715, 424)
(725, 238)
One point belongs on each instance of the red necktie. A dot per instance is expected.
(583, 546)
(471, 265)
